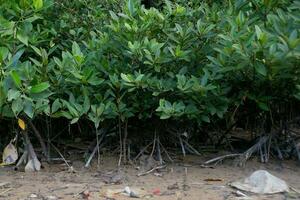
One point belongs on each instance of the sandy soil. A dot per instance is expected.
(183, 180)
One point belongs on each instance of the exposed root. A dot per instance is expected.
(40, 138)
(190, 148)
(151, 170)
(143, 150)
(164, 150)
(220, 158)
(185, 146)
(259, 146)
(182, 146)
(29, 154)
(70, 168)
(97, 147)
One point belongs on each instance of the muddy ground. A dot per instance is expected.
(185, 180)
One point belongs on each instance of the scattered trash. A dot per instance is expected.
(86, 194)
(33, 196)
(10, 155)
(51, 198)
(157, 174)
(262, 182)
(127, 191)
(156, 192)
(130, 193)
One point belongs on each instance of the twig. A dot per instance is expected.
(151, 170)
(221, 158)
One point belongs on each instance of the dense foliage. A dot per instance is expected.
(115, 60)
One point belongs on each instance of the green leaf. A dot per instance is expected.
(260, 68)
(17, 106)
(113, 15)
(263, 106)
(15, 59)
(86, 104)
(3, 53)
(76, 49)
(40, 87)
(37, 50)
(16, 78)
(23, 38)
(165, 116)
(130, 6)
(205, 118)
(38, 4)
(33, 18)
(126, 78)
(258, 31)
(74, 120)
(13, 94)
(55, 106)
(28, 109)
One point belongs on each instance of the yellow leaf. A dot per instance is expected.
(22, 124)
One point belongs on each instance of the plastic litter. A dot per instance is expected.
(262, 182)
